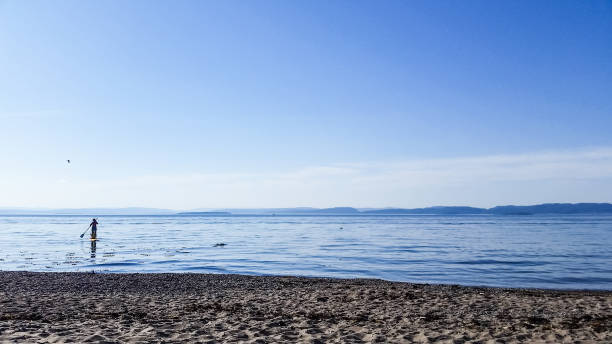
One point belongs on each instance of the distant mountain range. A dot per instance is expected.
(204, 213)
(548, 208)
(554, 208)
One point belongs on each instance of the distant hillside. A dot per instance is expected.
(263, 211)
(337, 210)
(294, 211)
(429, 211)
(550, 208)
(204, 213)
(314, 211)
(554, 208)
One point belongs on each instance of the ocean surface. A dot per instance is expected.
(552, 251)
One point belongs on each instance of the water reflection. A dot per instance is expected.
(93, 249)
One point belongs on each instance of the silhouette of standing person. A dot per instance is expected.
(94, 228)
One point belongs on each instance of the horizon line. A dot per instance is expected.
(168, 211)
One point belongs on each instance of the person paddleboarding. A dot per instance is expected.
(94, 228)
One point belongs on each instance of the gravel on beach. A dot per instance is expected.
(144, 308)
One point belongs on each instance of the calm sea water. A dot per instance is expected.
(560, 251)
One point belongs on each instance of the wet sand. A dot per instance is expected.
(144, 308)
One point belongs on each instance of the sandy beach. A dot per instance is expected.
(143, 308)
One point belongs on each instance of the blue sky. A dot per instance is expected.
(193, 104)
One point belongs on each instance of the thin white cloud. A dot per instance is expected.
(569, 176)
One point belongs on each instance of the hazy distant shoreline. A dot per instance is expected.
(545, 208)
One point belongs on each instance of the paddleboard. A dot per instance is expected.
(94, 239)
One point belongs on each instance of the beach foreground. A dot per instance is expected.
(79, 307)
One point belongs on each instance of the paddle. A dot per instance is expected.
(85, 231)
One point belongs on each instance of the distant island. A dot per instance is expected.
(547, 208)
(204, 213)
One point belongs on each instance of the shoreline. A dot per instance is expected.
(330, 278)
(155, 307)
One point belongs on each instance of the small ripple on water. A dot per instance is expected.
(499, 262)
